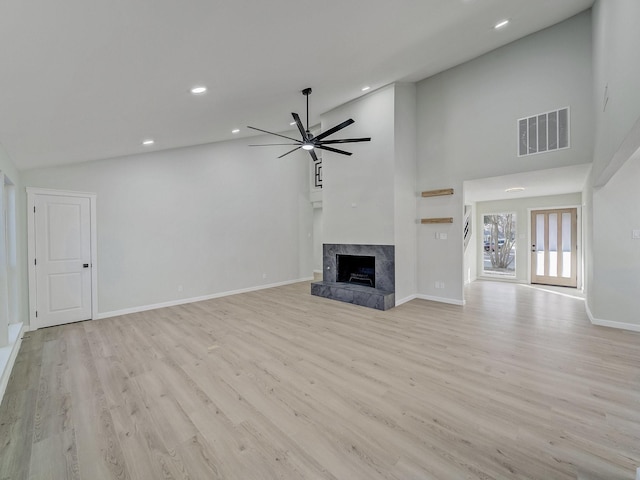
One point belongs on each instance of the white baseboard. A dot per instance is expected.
(183, 301)
(432, 298)
(610, 323)
(405, 300)
(8, 355)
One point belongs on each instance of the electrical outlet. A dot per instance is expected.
(635, 234)
(264, 276)
(180, 288)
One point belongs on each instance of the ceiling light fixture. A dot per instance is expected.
(292, 123)
(235, 130)
(148, 142)
(198, 90)
(364, 89)
(501, 24)
(514, 189)
(307, 146)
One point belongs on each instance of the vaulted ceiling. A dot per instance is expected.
(83, 80)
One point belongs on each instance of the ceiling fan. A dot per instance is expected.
(309, 142)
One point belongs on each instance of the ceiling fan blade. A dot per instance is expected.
(290, 151)
(272, 144)
(344, 140)
(335, 150)
(299, 125)
(314, 157)
(271, 133)
(333, 130)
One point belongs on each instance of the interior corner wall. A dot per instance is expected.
(613, 265)
(193, 222)
(8, 168)
(358, 190)
(613, 291)
(616, 74)
(467, 119)
(405, 191)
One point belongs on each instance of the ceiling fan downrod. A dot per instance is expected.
(306, 92)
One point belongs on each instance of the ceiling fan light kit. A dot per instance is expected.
(310, 142)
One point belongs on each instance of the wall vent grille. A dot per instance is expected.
(544, 132)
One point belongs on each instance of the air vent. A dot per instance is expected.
(544, 132)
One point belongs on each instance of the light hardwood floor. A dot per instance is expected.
(278, 384)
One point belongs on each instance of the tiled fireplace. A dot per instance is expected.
(359, 274)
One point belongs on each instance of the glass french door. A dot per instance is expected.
(554, 249)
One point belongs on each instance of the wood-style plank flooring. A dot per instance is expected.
(278, 384)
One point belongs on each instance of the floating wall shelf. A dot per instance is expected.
(438, 193)
(437, 220)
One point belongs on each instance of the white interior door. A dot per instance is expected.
(62, 231)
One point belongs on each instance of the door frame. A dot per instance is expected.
(31, 246)
(579, 243)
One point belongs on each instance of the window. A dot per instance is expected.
(499, 246)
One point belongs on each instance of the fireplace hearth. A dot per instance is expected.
(359, 274)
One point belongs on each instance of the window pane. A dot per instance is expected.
(499, 246)
(553, 244)
(540, 244)
(566, 245)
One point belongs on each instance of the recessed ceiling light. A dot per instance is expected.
(148, 141)
(235, 130)
(514, 189)
(500, 24)
(364, 89)
(198, 90)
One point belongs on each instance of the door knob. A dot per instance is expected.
(85, 265)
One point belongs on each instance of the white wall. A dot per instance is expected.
(317, 240)
(8, 168)
(614, 292)
(370, 197)
(405, 191)
(211, 218)
(616, 76)
(467, 130)
(612, 280)
(358, 191)
(521, 207)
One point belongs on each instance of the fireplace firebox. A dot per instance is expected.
(358, 269)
